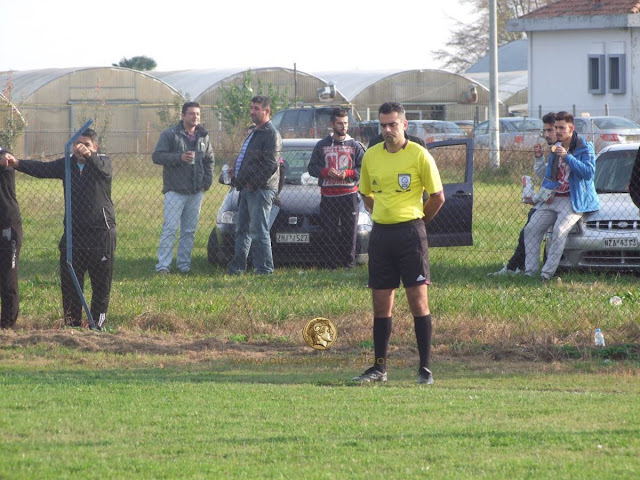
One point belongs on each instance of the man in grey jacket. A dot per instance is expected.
(256, 175)
(186, 155)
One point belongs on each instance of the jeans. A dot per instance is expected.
(179, 210)
(252, 230)
(558, 213)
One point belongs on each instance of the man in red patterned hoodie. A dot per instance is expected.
(336, 162)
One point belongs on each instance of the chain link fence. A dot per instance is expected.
(498, 215)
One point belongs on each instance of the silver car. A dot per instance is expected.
(604, 131)
(435, 130)
(516, 133)
(608, 239)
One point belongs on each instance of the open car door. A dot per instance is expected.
(452, 226)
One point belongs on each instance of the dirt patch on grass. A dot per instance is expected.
(178, 348)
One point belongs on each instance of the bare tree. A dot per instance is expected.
(469, 42)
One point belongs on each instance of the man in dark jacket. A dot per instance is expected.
(186, 155)
(336, 162)
(634, 181)
(10, 242)
(93, 222)
(256, 176)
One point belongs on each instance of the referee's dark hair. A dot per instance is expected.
(390, 107)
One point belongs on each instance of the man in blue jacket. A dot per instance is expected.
(186, 155)
(570, 169)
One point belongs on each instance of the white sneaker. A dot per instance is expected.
(504, 271)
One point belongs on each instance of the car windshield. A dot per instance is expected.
(296, 160)
(612, 123)
(526, 125)
(613, 171)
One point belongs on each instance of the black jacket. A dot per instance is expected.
(91, 205)
(9, 210)
(634, 182)
(259, 168)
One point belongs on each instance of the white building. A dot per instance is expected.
(583, 57)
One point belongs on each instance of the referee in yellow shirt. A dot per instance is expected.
(394, 175)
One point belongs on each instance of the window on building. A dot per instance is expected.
(617, 73)
(596, 74)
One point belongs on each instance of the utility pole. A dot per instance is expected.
(494, 125)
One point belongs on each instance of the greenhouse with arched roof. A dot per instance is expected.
(203, 86)
(125, 105)
(426, 94)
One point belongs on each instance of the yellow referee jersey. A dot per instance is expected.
(396, 181)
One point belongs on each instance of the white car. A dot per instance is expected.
(608, 239)
(605, 131)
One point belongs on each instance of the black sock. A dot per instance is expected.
(381, 335)
(424, 328)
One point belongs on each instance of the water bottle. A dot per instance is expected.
(599, 338)
(226, 176)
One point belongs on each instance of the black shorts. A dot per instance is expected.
(398, 251)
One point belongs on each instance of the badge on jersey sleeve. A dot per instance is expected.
(404, 180)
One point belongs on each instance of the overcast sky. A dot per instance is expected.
(316, 36)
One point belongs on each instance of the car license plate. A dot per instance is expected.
(620, 243)
(292, 237)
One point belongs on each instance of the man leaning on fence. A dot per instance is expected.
(10, 242)
(186, 156)
(570, 170)
(256, 175)
(93, 224)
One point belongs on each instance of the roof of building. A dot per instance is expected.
(351, 83)
(26, 82)
(509, 83)
(575, 8)
(512, 57)
(191, 83)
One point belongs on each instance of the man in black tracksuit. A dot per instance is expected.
(10, 242)
(93, 223)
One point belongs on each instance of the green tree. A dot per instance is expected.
(11, 122)
(469, 42)
(234, 102)
(169, 113)
(142, 63)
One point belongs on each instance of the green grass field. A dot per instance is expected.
(208, 376)
(67, 413)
